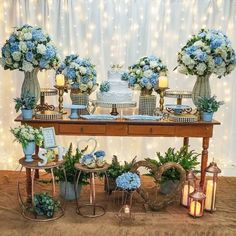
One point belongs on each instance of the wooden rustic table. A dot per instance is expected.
(121, 127)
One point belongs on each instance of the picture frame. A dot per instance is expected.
(49, 137)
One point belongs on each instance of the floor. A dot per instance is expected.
(173, 220)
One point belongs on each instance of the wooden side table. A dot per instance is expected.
(92, 203)
(27, 206)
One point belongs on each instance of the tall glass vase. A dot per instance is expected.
(31, 84)
(201, 88)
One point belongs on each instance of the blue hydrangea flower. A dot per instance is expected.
(132, 81)
(105, 86)
(218, 60)
(70, 73)
(153, 58)
(43, 63)
(14, 47)
(87, 159)
(202, 34)
(144, 81)
(29, 45)
(29, 56)
(202, 56)
(215, 43)
(37, 35)
(50, 52)
(153, 79)
(99, 153)
(128, 181)
(146, 67)
(85, 79)
(190, 50)
(12, 39)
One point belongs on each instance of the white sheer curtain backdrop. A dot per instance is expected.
(121, 31)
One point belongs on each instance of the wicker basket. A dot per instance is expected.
(147, 104)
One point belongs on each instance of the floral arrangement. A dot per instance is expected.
(105, 86)
(128, 181)
(26, 101)
(93, 160)
(208, 104)
(28, 48)
(25, 134)
(80, 73)
(144, 74)
(209, 51)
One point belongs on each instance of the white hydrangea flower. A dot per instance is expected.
(90, 84)
(220, 71)
(8, 61)
(182, 69)
(147, 73)
(199, 44)
(153, 64)
(35, 62)
(27, 36)
(222, 51)
(201, 67)
(23, 46)
(16, 56)
(41, 49)
(142, 63)
(187, 60)
(138, 72)
(27, 66)
(15, 65)
(148, 85)
(82, 70)
(83, 87)
(137, 87)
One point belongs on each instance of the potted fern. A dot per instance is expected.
(207, 106)
(26, 103)
(70, 160)
(170, 178)
(116, 169)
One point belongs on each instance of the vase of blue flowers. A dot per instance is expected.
(81, 75)
(208, 52)
(29, 49)
(144, 76)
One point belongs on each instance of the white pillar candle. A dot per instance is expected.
(60, 80)
(195, 208)
(163, 82)
(185, 193)
(210, 195)
(126, 210)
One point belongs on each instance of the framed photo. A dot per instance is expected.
(49, 137)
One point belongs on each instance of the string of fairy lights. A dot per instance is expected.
(120, 31)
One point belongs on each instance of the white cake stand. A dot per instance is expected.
(114, 105)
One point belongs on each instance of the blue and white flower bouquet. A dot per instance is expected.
(105, 86)
(128, 181)
(208, 52)
(28, 48)
(145, 73)
(94, 160)
(80, 73)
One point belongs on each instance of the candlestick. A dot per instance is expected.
(210, 195)
(126, 209)
(195, 208)
(60, 80)
(163, 81)
(185, 194)
(60, 98)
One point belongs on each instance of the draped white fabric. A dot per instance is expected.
(121, 31)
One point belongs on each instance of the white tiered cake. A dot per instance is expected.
(118, 89)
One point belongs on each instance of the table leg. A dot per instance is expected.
(205, 145)
(36, 156)
(186, 141)
(28, 184)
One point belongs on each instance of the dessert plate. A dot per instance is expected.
(142, 117)
(99, 117)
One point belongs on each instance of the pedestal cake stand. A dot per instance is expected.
(178, 94)
(115, 105)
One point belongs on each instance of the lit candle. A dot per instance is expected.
(195, 208)
(60, 80)
(163, 82)
(126, 209)
(210, 195)
(185, 193)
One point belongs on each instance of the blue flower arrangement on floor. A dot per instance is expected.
(128, 181)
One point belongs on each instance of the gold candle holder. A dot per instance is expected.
(61, 90)
(161, 92)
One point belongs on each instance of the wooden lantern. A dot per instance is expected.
(189, 187)
(196, 203)
(210, 188)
